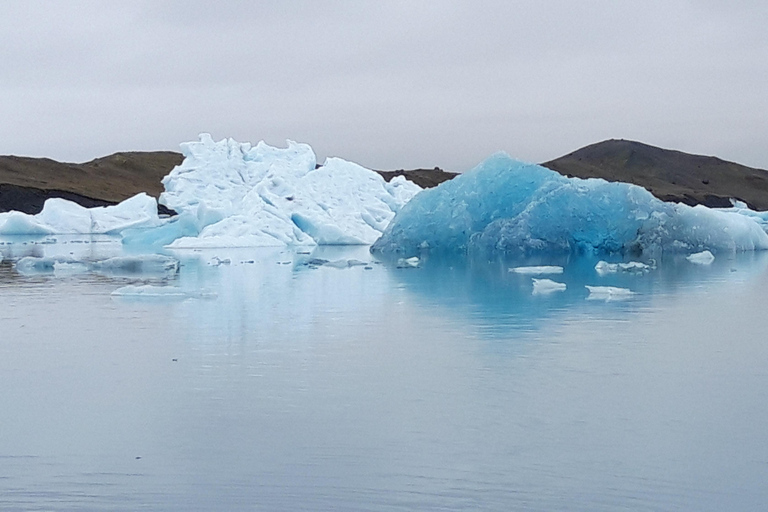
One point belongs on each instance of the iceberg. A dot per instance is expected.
(156, 264)
(608, 293)
(547, 286)
(701, 258)
(537, 270)
(507, 206)
(231, 194)
(634, 267)
(162, 292)
(60, 216)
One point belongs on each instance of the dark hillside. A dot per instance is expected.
(667, 174)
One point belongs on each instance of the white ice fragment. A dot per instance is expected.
(345, 263)
(701, 258)
(605, 268)
(411, 262)
(143, 264)
(547, 286)
(68, 268)
(35, 265)
(537, 270)
(608, 293)
(66, 217)
(165, 292)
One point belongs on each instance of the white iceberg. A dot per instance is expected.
(504, 205)
(60, 216)
(141, 264)
(635, 267)
(608, 293)
(119, 265)
(701, 258)
(230, 194)
(162, 292)
(547, 286)
(537, 270)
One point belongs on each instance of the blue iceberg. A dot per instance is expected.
(504, 205)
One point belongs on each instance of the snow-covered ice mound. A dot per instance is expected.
(230, 194)
(60, 216)
(504, 205)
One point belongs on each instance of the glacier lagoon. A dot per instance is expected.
(325, 378)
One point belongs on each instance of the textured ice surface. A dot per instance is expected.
(701, 258)
(547, 286)
(163, 292)
(60, 216)
(237, 195)
(537, 270)
(636, 267)
(119, 265)
(142, 264)
(608, 293)
(504, 205)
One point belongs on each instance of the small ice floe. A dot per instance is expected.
(145, 264)
(540, 270)
(608, 293)
(547, 286)
(216, 261)
(701, 258)
(35, 265)
(412, 262)
(162, 292)
(635, 267)
(69, 268)
(345, 263)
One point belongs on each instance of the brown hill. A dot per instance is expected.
(667, 174)
(25, 183)
(425, 178)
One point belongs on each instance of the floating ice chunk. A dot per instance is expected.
(144, 264)
(411, 262)
(345, 263)
(604, 268)
(537, 270)
(165, 292)
(36, 265)
(508, 206)
(608, 293)
(216, 261)
(266, 196)
(66, 217)
(547, 286)
(17, 223)
(68, 268)
(701, 258)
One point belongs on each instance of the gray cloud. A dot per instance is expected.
(387, 84)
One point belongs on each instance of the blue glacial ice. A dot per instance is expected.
(507, 206)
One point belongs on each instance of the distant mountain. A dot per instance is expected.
(667, 174)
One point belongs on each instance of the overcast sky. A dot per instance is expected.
(388, 84)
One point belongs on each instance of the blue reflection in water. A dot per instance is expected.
(370, 387)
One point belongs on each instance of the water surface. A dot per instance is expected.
(444, 387)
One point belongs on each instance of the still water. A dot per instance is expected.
(288, 386)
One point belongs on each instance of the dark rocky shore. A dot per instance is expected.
(25, 183)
